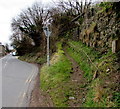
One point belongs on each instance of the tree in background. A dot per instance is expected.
(23, 45)
(29, 24)
(7, 48)
(64, 15)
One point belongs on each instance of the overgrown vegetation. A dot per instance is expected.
(54, 78)
(80, 54)
(105, 6)
(99, 70)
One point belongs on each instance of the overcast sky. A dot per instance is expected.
(10, 9)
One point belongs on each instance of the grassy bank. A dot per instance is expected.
(54, 77)
(97, 83)
(101, 71)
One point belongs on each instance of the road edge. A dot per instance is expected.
(38, 98)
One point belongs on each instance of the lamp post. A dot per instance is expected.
(47, 33)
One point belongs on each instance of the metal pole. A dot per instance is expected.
(48, 55)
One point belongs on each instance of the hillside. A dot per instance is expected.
(81, 76)
(84, 66)
(73, 79)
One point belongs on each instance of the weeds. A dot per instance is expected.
(54, 78)
(100, 88)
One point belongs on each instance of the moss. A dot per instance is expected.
(104, 7)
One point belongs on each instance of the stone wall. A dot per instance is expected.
(100, 30)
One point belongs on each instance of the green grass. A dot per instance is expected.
(75, 50)
(116, 98)
(97, 96)
(104, 6)
(81, 61)
(54, 78)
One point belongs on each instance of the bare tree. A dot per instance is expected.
(75, 7)
(30, 23)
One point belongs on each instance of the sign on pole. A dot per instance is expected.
(47, 33)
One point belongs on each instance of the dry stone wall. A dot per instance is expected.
(100, 30)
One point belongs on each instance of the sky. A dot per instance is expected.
(8, 10)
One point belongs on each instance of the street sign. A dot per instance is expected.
(47, 31)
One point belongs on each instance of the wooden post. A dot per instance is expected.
(116, 46)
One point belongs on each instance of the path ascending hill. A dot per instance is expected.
(77, 80)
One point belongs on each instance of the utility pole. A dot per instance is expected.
(48, 51)
(47, 33)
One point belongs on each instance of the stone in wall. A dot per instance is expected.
(110, 42)
(91, 44)
(88, 44)
(94, 44)
(96, 36)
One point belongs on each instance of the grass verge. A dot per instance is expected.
(54, 78)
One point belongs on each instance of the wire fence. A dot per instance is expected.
(81, 50)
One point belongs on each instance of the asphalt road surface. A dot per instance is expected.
(18, 79)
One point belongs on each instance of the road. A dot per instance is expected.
(18, 79)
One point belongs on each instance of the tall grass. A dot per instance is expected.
(54, 77)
